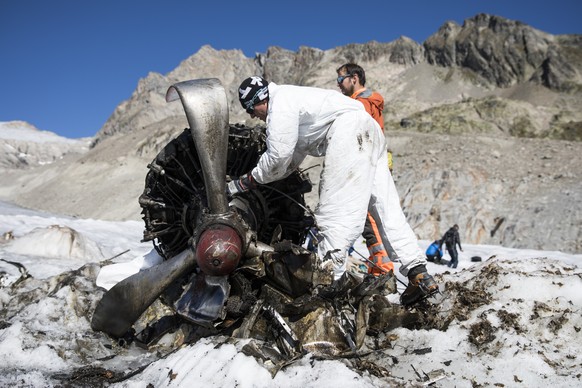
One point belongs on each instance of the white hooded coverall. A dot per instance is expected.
(305, 121)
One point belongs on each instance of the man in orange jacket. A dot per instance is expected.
(351, 80)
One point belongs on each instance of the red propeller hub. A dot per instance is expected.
(219, 250)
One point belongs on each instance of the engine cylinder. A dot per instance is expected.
(219, 250)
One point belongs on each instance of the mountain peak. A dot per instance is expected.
(502, 52)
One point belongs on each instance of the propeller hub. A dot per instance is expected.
(219, 250)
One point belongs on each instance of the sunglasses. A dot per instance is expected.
(251, 109)
(341, 78)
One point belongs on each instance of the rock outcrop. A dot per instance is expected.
(503, 52)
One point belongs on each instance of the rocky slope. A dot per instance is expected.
(483, 119)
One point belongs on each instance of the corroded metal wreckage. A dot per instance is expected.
(237, 266)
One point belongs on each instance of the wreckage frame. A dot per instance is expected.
(278, 295)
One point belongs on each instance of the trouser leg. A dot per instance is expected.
(349, 166)
(381, 252)
(398, 231)
(454, 257)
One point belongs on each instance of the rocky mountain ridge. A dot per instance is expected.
(489, 56)
(24, 145)
(483, 120)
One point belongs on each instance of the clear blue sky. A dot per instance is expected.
(66, 64)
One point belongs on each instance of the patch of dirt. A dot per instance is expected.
(481, 333)
(509, 321)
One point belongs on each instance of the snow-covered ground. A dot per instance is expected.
(513, 319)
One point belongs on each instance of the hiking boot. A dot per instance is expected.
(420, 286)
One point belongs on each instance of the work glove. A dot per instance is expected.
(243, 183)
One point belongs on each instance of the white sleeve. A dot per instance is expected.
(282, 135)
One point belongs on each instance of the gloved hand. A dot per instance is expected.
(243, 183)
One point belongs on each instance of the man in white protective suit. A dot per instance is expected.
(305, 121)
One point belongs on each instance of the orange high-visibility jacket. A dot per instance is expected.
(373, 102)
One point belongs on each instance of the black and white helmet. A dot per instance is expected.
(251, 91)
